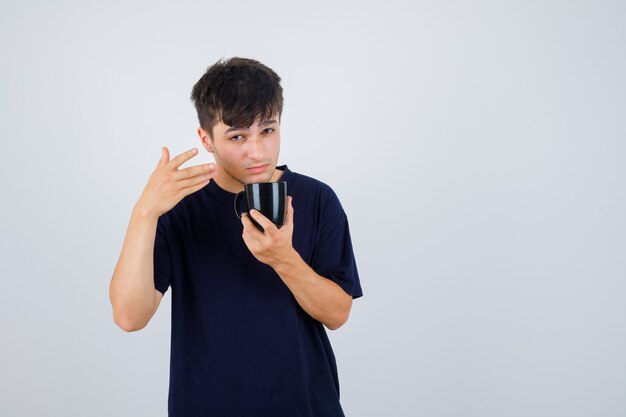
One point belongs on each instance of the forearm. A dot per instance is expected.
(320, 297)
(132, 291)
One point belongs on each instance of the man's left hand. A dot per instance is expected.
(274, 245)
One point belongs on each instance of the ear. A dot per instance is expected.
(206, 140)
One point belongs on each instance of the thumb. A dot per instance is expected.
(165, 156)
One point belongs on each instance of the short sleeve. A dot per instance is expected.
(162, 258)
(333, 256)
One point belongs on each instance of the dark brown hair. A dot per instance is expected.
(235, 91)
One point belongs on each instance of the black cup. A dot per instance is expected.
(270, 198)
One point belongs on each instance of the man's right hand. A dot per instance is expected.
(168, 185)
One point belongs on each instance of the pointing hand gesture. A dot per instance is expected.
(168, 184)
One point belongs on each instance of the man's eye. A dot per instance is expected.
(237, 140)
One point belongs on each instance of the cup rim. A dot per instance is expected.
(269, 182)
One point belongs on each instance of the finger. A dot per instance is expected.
(165, 157)
(248, 226)
(193, 171)
(183, 157)
(190, 182)
(262, 220)
(199, 182)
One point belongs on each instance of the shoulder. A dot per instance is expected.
(327, 198)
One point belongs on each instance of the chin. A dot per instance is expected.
(256, 178)
(263, 178)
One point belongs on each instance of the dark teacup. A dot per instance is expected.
(270, 198)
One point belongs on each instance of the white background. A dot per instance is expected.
(478, 149)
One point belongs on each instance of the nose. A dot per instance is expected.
(255, 149)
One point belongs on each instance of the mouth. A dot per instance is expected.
(258, 169)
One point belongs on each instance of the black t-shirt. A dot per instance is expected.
(241, 345)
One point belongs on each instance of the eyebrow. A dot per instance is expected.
(234, 128)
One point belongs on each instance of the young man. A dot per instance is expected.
(248, 306)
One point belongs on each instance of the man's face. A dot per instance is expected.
(238, 149)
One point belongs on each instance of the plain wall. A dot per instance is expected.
(478, 149)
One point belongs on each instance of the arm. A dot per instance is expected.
(320, 297)
(132, 291)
